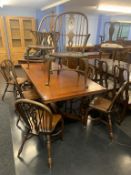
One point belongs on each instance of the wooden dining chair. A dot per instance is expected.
(21, 93)
(39, 120)
(44, 42)
(6, 67)
(99, 74)
(71, 30)
(107, 107)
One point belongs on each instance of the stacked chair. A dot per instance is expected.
(44, 41)
(66, 37)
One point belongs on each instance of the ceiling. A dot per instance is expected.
(81, 5)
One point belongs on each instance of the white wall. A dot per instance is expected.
(17, 11)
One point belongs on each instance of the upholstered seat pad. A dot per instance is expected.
(73, 54)
(100, 104)
(111, 45)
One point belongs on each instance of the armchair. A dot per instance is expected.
(44, 42)
(39, 120)
(71, 30)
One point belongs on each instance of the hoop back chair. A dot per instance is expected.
(107, 107)
(6, 68)
(44, 41)
(39, 120)
(71, 30)
(110, 32)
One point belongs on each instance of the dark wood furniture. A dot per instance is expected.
(101, 72)
(63, 87)
(6, 67)
(44, 49)
(107, 107)
(70, 36)
(44, 40)
(39, 120)
(28, 94)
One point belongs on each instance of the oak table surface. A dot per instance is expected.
(64, 86)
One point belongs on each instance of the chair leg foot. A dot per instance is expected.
(49, 151)
(110, 127)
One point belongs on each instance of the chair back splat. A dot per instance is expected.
(72, 28)
(111, 32)
(101, 72)
(120, 75)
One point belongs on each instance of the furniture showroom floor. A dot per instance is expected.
(83, 150)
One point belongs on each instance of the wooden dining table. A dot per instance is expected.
(64, 86)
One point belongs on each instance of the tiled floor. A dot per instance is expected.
(83, 150)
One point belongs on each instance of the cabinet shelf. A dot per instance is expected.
(15, 38)
(15, 28)
(28, 38)
(19, 35)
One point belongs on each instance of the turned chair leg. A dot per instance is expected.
(110, 127)
(85, 116)
(49, 70)
(49, 151)
(62, 126)
(22, 145)
(3, 96)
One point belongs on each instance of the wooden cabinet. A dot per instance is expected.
(3, 50)
(28, 25)
(19, 35)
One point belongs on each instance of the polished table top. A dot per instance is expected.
(62, 87)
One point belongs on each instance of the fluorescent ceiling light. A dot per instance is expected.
(1, 3)
(114, 8)
(54, 4)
